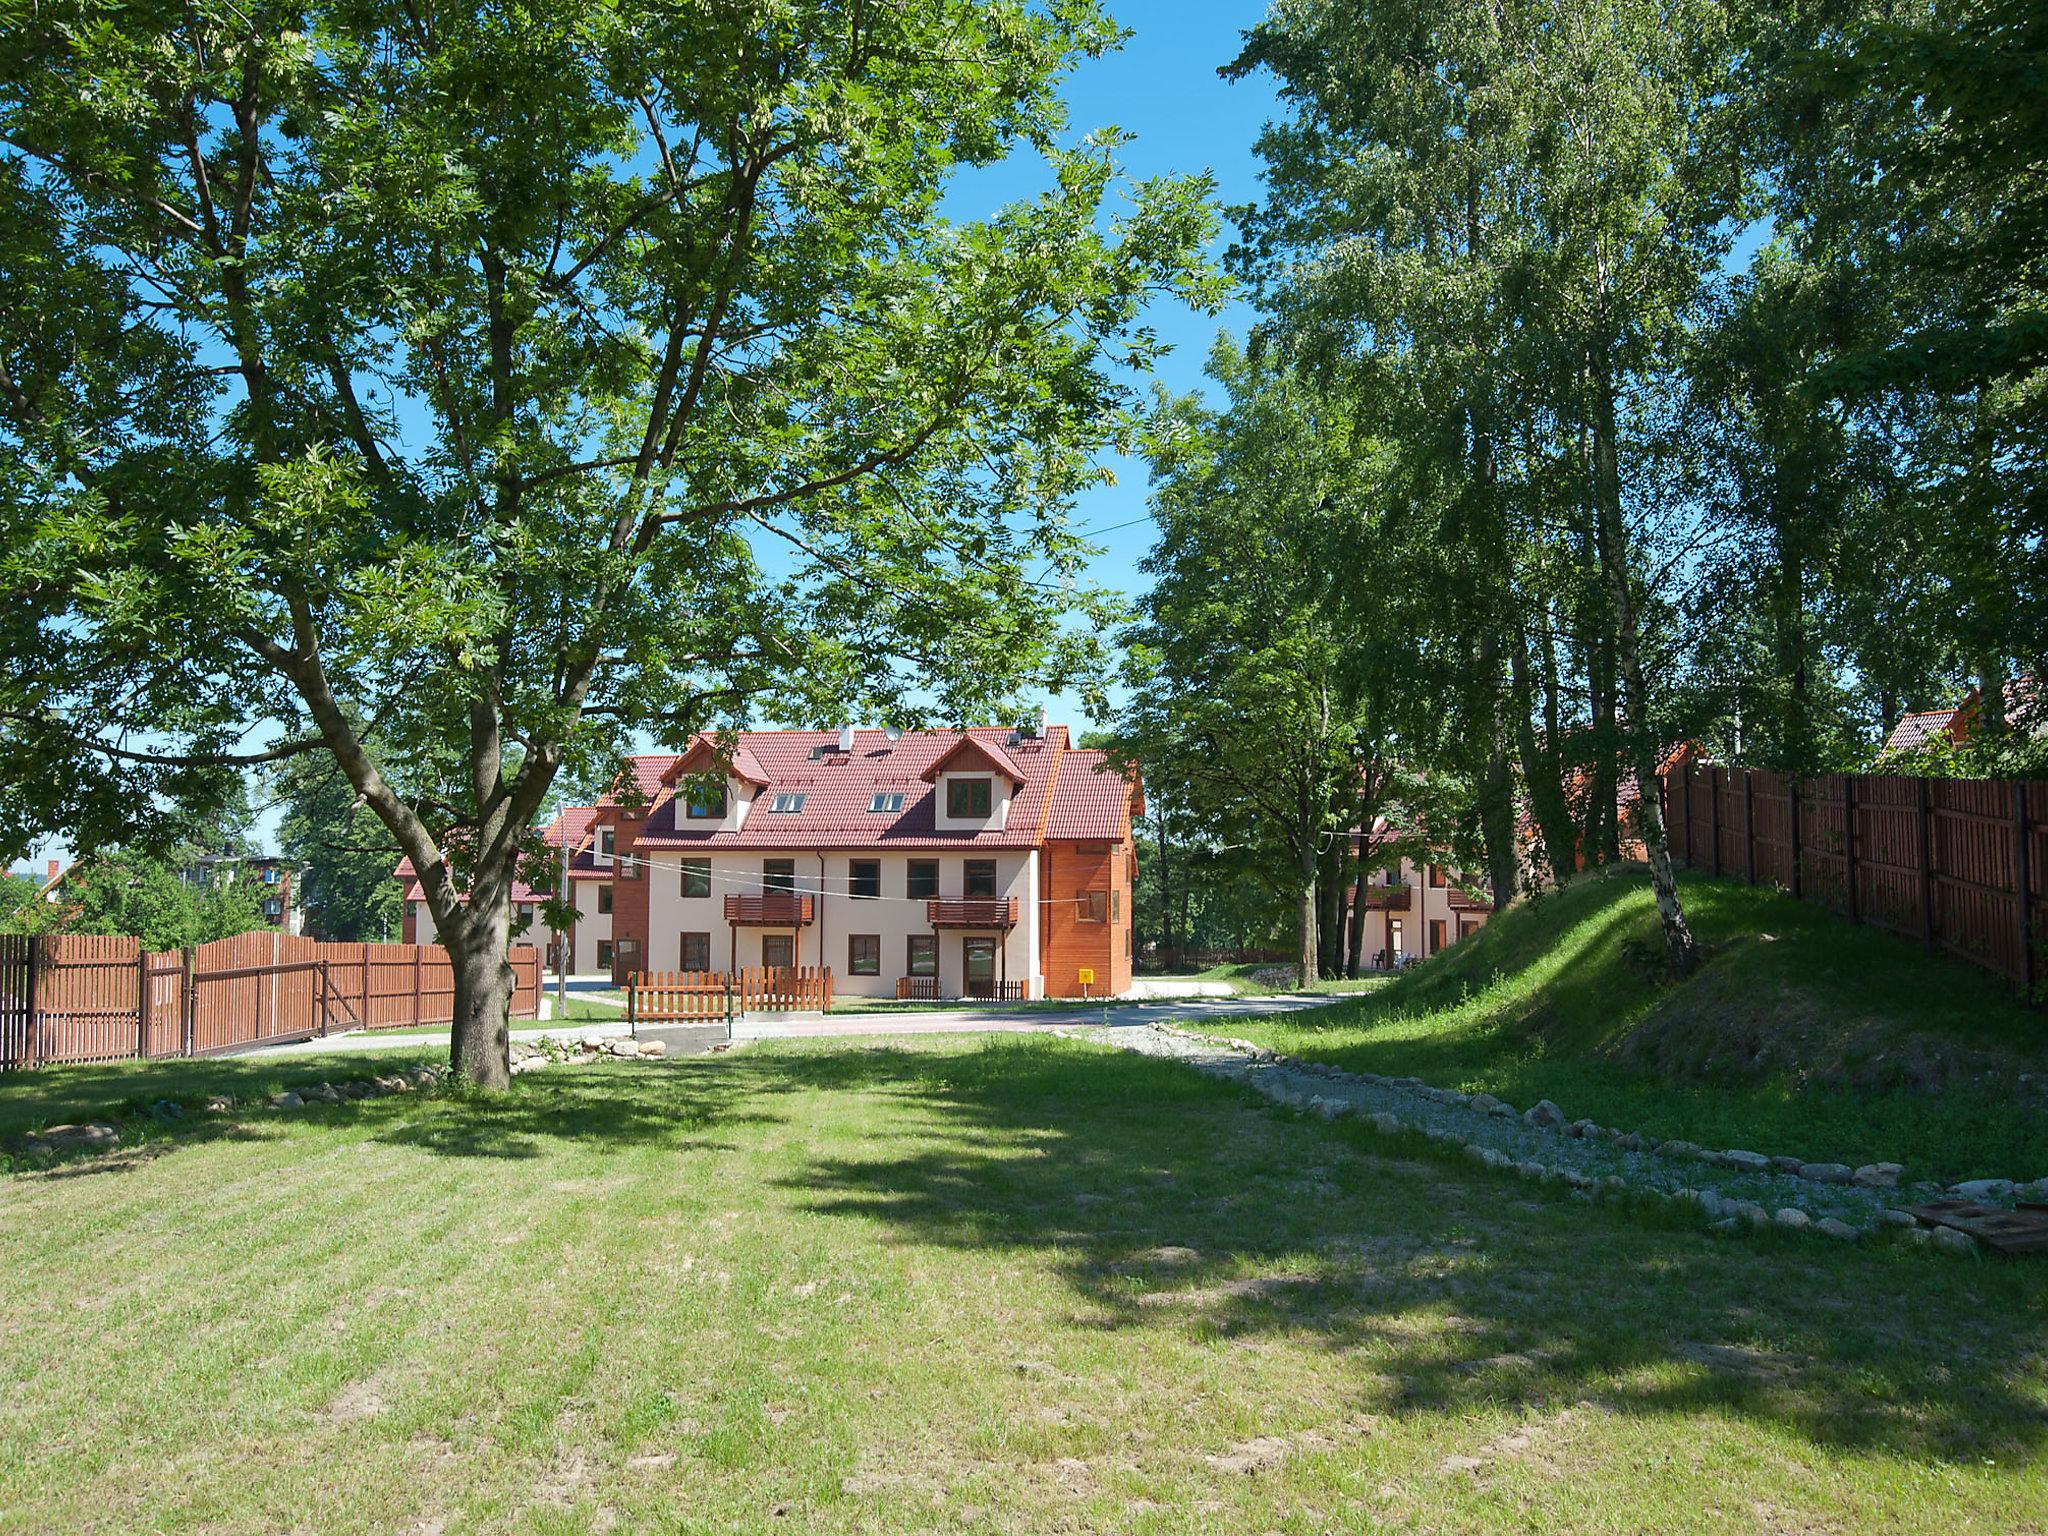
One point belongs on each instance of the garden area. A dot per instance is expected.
(1011, 1284)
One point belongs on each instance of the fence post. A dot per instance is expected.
(326, 992)
(2022, 894)
(363, 1007)
(1849, 840)
(1792, 794)
(1926, 868)
(188, 1001)
(1749, 824)
(633, 1005)
(1714, 784)
(141, 1003)
(417, 956)
(32, 1029)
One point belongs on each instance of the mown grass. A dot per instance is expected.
(1016, 1285)
(1802, 1035)
(1246, 979)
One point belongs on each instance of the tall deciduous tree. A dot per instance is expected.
(456, 390)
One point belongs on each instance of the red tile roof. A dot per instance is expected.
(703, 755)
(839, 787)
(1090, 800)
(1918, 727)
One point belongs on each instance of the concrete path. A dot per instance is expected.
(989, 1018)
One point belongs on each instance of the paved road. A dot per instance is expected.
(986, 1019)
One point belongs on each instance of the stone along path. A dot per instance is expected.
(1732, 1189)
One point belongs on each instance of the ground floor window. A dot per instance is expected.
(604, 900)
(979, 878)
(864, 954)
(776, 951)
(604, 954)
(922, 955)
(1436, 934)
(696, 952)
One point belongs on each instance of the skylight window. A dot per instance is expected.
(886, 802)
(786, 804)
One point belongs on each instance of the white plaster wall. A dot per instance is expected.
(893, 917)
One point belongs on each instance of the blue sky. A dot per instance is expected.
(1163, 88)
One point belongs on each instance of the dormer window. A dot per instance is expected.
(969, 799)
(706, 803)
(785, 804)
(886, 802)
(605, 842)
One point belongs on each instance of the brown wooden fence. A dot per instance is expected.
(710, 997)
(1958, 864)
(84, 998)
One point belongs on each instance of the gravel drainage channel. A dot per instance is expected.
(1594, 1164)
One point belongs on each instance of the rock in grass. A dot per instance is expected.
(286, 1100)
(1678, 1148)
(1385, 1123)
(1878, 1175)
(1839, 1230)
(1953, 1241)
(1724, 1225)
(1745, 1162)
(1894, 1217)
(1792, 1220)
(1484, 1103)
(1790, 1165)
(653, 1047)
(1585, 1129)
(1544, 1116)
(1825, 1173)
(1982, 1189)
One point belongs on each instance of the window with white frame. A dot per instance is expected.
(886, 802)
(785, 804)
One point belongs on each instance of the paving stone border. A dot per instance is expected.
(1732, 1190)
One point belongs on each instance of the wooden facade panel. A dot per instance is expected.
(1071, 943)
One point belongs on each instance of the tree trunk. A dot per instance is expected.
(1679, 945)
(1354, 948)
(1540, 771)
(479, 1039)
(1305, 962)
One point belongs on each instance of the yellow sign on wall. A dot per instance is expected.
(1085, 976)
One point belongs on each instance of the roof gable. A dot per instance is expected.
(972, 752)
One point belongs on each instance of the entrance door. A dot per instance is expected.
(981, 967)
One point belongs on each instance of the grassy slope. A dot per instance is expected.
(1802, 1035)
(1016, 1286)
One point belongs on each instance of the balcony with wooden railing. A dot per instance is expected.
(1384, 898)
(1463, 900)
(774, 910)
(982, 912)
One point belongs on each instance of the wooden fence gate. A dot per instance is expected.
(717, 997)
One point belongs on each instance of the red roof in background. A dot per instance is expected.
(703, 756)
(838, 788)
(1918, 727)
(971, 749)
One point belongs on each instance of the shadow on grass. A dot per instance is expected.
(1168, 1202)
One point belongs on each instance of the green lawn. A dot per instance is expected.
(1802, 1035)
(1003, 1285)
(1245, 979)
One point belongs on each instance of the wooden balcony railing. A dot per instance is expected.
(1463, 900)
(775, 911)
(972, 912)
(1384, 898)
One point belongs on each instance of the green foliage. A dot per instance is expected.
(509, 384)
(127, 892)
(348, 855)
